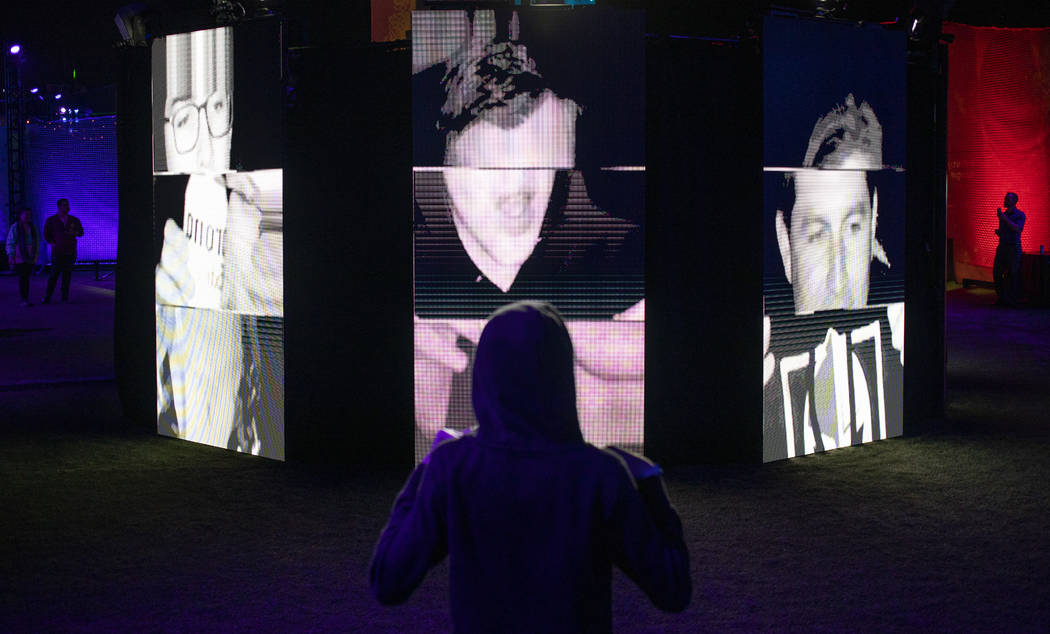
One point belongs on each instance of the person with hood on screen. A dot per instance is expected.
(531, 517)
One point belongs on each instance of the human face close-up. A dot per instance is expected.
(830, 240)
(198, 108)
(500, 180)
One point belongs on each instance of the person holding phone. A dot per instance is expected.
(1006, 269)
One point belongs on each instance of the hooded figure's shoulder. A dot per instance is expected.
(455, 454)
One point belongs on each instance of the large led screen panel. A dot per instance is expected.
(529, 176)
(218, 243)
(833, 225)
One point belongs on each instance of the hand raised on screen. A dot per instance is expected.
(254, 271)
(436, 341)
(174, 282)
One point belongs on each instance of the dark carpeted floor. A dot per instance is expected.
(106, 529)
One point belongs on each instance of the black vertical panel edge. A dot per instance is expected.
(134, 317)
(348, 256)
(703, 399)
(924, 313)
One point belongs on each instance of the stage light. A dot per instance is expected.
(15, 49)
(58, 96)
(34, 91)
(62, 110)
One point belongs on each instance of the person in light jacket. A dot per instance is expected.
(23, 248)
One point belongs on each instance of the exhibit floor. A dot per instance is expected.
(108, 527)
(56, 342)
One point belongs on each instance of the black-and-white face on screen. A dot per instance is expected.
(834, 148)
(219, 274)
(828, 241)
(198, 104)
(503, 212)
(502, 180)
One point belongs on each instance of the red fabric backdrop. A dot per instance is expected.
(391, 19)
(998, 138)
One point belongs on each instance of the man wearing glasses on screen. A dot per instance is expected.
(221, 272)
(197, 109)
(509, 152)
(833, 386)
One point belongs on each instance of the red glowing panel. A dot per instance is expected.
(998, 139)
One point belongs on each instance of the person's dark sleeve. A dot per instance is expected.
(78, 228)
(49, 231)
(414, 539)
(648, 544)
(1015, 227)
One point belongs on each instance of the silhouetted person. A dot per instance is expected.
(23, 247)
(531, 517)
(61, 232)
(1007, 268)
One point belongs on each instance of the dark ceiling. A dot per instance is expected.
(60, 39)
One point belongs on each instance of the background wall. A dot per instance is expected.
(998, 139)
(77, 161)
(5, 215)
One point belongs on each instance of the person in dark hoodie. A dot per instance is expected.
(531, 517)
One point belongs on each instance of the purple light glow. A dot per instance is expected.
(62, 110)
(79, 163)
(58, 96)
(15, 49)
(34, 91)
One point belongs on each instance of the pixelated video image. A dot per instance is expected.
(514, 165)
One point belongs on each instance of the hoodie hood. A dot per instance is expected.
(524, 389)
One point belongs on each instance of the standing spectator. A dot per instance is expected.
(1007, 266)
(23, 247)
(61, 232)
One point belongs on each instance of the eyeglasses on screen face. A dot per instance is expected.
(186, 121)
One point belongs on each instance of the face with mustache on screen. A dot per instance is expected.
(827, 243)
